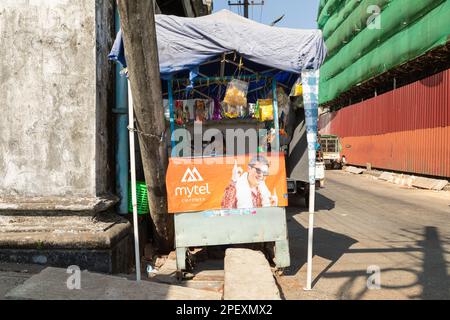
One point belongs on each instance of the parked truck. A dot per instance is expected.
(331, 149)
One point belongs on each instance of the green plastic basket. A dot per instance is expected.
(142, 199)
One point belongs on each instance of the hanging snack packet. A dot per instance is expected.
(201, 114)
(265, 110)
(297, 89)
(230, 111)
(236, 94)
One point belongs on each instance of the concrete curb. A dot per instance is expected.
(107, 249)
(51, 284)
(56, 205)
(404, 180)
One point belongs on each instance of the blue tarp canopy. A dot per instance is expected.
(186, 43)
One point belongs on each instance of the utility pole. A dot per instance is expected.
(246, 8)
(246, 4)
(139, 35)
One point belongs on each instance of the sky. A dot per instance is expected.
(300, 14)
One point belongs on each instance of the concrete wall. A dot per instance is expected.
(55, 93)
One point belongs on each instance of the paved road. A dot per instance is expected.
(364, 222)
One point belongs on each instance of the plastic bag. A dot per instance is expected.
(180, 116)
(230, 111)
(233, 112)
(201, 114)
(297, 89)
(265, 110)
(217, 107)
(236, 94)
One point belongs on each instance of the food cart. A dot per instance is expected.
(234, 196)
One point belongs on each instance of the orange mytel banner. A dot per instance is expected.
(219, 183)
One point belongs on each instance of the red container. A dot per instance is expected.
(407, 129)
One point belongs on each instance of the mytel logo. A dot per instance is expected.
(192, 176)
(194, 189)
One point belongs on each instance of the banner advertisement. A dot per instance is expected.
(222, 183)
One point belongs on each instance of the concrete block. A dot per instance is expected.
(248, 276)
(440, 185)
(51, 284)
(168, 272)
(354, 170)
(387, 176)
(430, 184)
(409, 181)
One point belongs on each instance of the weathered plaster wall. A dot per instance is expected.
(54, 96)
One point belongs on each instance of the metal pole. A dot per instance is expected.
(312, 200)
(133, 185)
(246, 4)
(310, 81)
(121, 112)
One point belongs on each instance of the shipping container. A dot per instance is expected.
(407, 129)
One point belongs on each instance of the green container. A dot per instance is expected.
(142, 199)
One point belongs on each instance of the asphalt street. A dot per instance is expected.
(364, 225)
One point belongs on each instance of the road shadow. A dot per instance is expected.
(327, 244)
(323, 203)
(433, 278)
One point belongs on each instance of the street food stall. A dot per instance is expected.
(227, 83)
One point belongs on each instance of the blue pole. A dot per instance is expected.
(121, 139)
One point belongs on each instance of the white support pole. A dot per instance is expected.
(310, 81)
(312, 200)
(133, 184)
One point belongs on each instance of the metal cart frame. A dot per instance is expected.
(240, 226)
